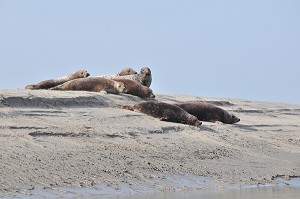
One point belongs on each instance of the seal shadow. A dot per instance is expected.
(220, 103)
(206, 128)
(245, 127)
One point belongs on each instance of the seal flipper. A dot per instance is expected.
(166, 119)
(127, 107)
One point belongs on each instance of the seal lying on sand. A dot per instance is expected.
(208, 112)
(134, 88)
(124, 71)
(57, 81)
(165, 112)
(144, 77)
(95, 84)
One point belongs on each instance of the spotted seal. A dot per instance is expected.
(57, 81)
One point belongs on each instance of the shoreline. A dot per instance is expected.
(52, 139)
(186, 188)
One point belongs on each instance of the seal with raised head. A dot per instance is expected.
(165, 112)
(94, 84)
(124, 71)
(208, 112)
(144, 77)
(134, 88)
(57, 81)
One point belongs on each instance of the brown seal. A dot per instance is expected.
(57, 81)
(144, 77)
(95, 84)
(134, 88)
(165, 112)
(208, 112)
(124, 71)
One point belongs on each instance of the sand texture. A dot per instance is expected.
(52, 139)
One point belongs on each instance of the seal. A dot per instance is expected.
(124, 71)
(94, 84)
(144, 77)
(134, 88)
(208, 112)
(57, 81)
(165, 112)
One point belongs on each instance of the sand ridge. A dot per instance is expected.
(52, 139)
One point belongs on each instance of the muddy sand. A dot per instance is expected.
(54, 139)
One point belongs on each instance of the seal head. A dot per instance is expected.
(81, 74)
(145, 76)
(127, 71)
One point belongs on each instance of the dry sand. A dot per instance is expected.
(52, 139)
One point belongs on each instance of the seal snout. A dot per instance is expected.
(31, 86)
(152, 95)
(146, 71)
(235, 119)
(198, 123)
(88, 74)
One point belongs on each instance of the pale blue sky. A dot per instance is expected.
(234, 49)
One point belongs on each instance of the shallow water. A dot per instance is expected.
(287, 189)
(245, 193)
(266, 192)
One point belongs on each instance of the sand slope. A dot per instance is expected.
(51, 139)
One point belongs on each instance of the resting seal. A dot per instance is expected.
(144, 77)
(208, 112)
(134, 88)
(94, 84)
(124, 71)
(165, 112)
(57, 81)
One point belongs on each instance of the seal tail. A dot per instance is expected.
(127, 107)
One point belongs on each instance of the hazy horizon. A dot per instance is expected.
(232, 49)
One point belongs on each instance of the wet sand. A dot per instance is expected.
(52, 139)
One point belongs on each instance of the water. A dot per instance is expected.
(263, 192)
(268, 192)
(287, 189)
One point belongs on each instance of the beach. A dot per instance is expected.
(53, 139)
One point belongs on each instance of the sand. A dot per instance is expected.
(53, 139)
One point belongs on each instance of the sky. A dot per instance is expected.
(233, 49)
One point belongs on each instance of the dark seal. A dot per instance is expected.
(208, 112)
(165, 112)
